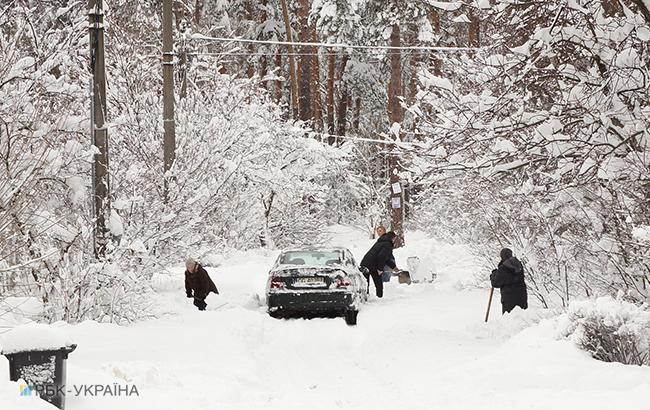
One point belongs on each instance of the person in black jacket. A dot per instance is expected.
(381, 231)
(509, 277)
(198, 284)
(380, 255)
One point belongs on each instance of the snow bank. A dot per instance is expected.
(611, 312)
(611, 330)
(164, 282)
(34, 336)
(10, 398)
(502, 327)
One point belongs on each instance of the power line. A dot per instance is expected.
(242, 53)
(330, 45)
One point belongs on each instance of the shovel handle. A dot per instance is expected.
(487, 313)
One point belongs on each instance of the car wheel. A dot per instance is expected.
(351, 317)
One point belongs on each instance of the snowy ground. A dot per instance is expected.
(422, 346)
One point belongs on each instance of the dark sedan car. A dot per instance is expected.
(316, 281)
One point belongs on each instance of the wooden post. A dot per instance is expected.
(169, 141)
(395, 117)
(487, 313)
(99, 133)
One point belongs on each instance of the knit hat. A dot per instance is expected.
(506, 254)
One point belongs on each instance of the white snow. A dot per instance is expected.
(643, 33)
(587, 165)
(395, 130)
(430, 80)
(73, 123)
(115, 224)
(425, 31)
(628, 58)
(35, 336)
(20, 66)
(137, 246)
(448, 6)
(423, 346)
(73, 147)
(440, 152)
(503, 145)
(612, 168)
(17, 310)
(623, 317)
(328, 10)
(523, 49)
(77, 186)
(641, 233)
(10, 398)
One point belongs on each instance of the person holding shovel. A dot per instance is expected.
(198, 284)
(387, 271)
(509, 278)
(380, 255)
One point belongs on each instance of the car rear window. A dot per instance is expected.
(313, 258)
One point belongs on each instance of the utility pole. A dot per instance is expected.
(395, 116)
(169, 141)
(292, 62)
(99, 133)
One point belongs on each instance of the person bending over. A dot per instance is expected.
(198, 284)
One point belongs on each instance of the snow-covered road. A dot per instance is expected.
(423, 346)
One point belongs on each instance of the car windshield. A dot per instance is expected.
(313, 258)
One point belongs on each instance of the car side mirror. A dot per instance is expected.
(364, 270)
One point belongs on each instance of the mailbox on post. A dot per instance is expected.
(37, 355)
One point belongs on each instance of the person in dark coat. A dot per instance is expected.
(380, 255)
(198, 284)
(509, 277)
(386, 271)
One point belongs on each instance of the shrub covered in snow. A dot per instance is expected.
(611, 330)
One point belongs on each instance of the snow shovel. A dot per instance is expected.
(487, 313)
(404, 276)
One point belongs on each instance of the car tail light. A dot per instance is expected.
(276, 282)
(342, 282)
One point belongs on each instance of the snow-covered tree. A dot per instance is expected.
(545, 133)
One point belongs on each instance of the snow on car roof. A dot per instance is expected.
(315, 249)
(312, 257)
